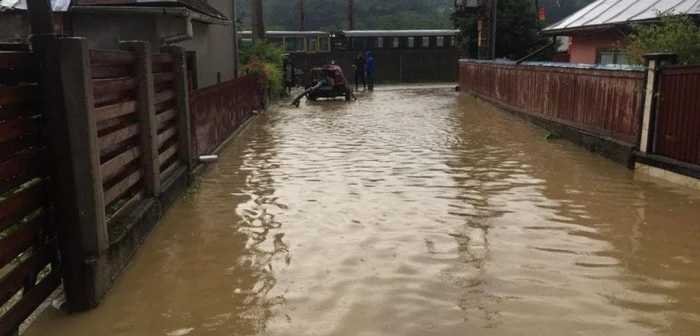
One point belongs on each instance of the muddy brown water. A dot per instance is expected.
(413, 211)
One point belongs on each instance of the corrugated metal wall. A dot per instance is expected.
(678, 117)
(601, 101)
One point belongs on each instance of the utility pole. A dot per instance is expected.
(256, 20)
(234, 23)
(302, 16)
(494, 18)
(351, 14)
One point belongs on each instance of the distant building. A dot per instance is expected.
(199, 26)
(599, 31)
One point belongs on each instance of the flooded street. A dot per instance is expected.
(413, 211)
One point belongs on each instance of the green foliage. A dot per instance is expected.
(675, 33)
(517, 30)
(265, 61)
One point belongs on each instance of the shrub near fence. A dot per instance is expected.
(604, 102)
(29, 263)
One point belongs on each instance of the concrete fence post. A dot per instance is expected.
(650, 103)
(182, 105)
(147, 114)
(84, 235)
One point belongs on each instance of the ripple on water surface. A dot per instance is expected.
(410, 212)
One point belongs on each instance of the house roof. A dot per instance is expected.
(198, 6)
(609, 13)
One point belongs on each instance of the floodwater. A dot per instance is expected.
(413, 211)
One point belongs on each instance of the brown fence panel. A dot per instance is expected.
(29, 269)
(601, 101)
(115, 92)
(678, 117)
(217, 111)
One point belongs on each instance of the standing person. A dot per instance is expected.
(370, 71)
(360, 66)
(288, 74)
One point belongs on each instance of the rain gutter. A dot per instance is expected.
(172, 11)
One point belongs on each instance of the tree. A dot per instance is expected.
(517, 30)
(678, 34)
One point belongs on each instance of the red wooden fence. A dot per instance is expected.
(217, 111)
(600, 101)
(677, 133)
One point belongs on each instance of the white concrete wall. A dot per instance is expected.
(212, 43)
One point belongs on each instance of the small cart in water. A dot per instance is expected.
(325, 82)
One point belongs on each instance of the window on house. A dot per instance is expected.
(324, 44)
(411, 42)
(611, 57)
(453, 41)
(395, 42)
(440, 41)
(380, 43)
(293, 44)
(277, 41)
(426, 42)
(311, 44)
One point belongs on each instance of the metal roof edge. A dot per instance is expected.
(175, 11)
(618, 67)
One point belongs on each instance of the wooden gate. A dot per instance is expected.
(677, 134)
(29, 263)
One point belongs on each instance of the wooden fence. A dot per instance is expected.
(217, 111)
(604, 102)
(29, 263)
(677, 118)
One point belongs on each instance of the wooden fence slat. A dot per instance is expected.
(161, 68)
(20, 204)
(14, 59)
(110, 71)
(164, 118)
(167, 154)
(14, 129)
(120, 188)
(112, 167)
(166, 135)
(163, 77)
(22, 239)
(112, 85)
(20, 311)
(18, 94)
(116, 110)
(111, 57)
(14, 281)
(169, 171)
(130, 204)
(16, 111)
(161, 58)
(165, 96)
(28, 163)
(112, 98)
(115, 138)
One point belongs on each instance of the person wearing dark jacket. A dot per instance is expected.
(359, 67)
(370, 71)
(288, 74)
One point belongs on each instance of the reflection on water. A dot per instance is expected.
(410, 212)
